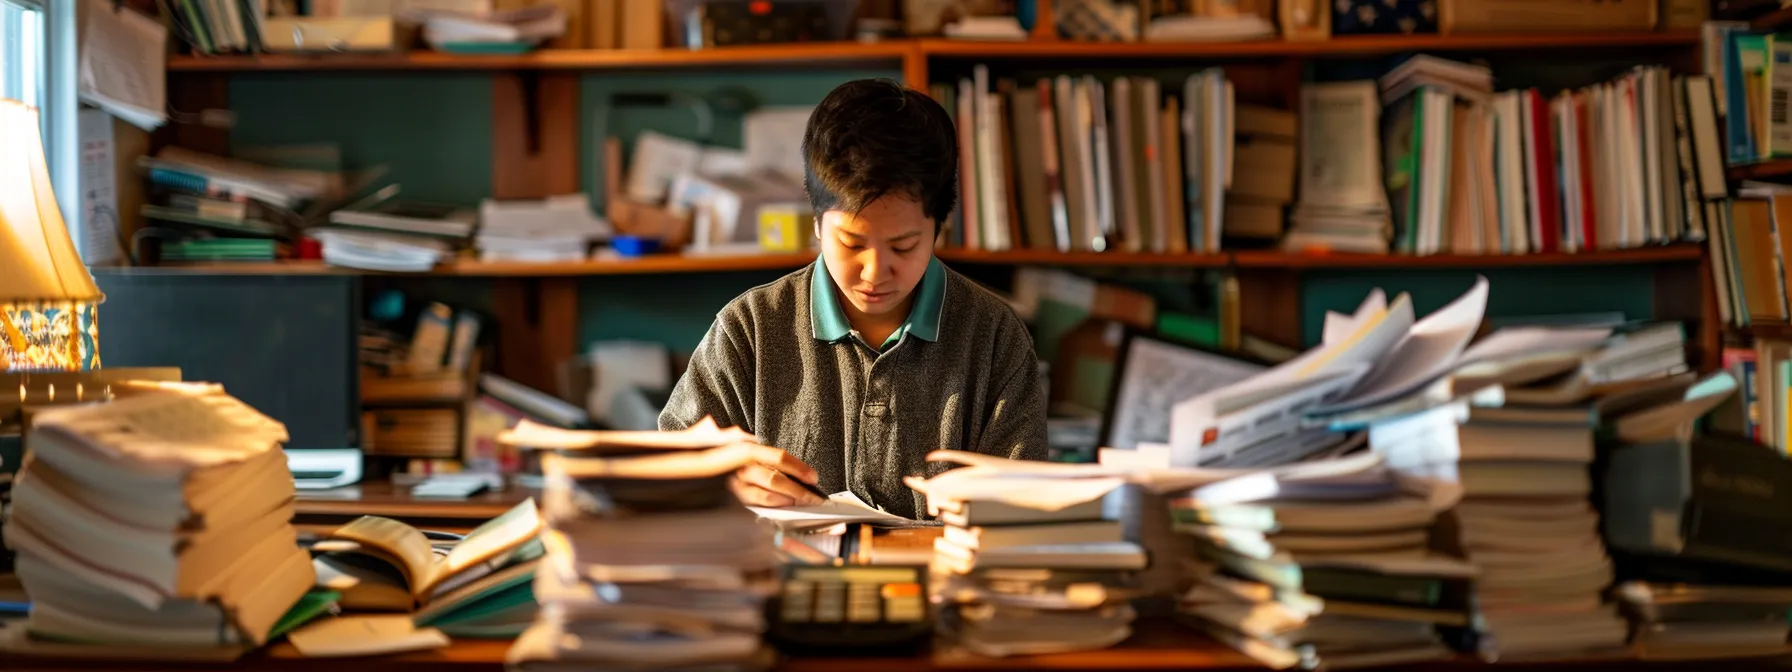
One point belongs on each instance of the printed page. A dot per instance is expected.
(401, 542)
(704, 434)
(364, 636)
(498, 536)
(841, 507)
(664, 466)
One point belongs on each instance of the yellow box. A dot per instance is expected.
(784, 227)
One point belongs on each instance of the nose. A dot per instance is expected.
(876, 270)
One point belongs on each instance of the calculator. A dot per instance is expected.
(851, 609)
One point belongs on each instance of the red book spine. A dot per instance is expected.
(1549, 203)
(1589, 222)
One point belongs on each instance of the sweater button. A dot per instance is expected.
(874, 409)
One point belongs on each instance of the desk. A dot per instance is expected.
(323, 507)
(1157, 645)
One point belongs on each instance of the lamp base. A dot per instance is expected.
(49, 336)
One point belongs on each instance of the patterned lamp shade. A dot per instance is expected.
(47, 297)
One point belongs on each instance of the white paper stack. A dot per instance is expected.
(556, 228)
(161, 519)
(1326, 562)
(652, 563)
(1524, 521)
(1031, 562)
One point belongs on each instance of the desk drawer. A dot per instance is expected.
(412, 432)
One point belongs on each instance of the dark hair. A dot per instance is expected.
(873, 137)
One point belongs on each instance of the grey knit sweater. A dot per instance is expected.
(863, 419)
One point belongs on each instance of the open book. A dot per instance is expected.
(380, 563)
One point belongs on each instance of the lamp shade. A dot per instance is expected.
(38, 261)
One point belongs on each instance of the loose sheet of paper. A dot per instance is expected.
(364, 636)
(123, 63)
(1156, 377)
(841, 507)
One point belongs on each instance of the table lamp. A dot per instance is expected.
(47, 297)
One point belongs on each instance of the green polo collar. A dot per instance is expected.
(829, 323)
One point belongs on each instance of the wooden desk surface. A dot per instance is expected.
(385, 499)
(1156, 645)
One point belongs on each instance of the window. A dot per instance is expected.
(37, 67)
(21, 53)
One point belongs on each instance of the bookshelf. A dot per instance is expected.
(1760, 171)
(854, 54)
(668, 264)
(539, 140)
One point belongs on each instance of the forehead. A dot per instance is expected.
(887, 217)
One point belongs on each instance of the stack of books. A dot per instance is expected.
(1524, 467)
(1525, 521)
(1022, 576)
(1689, 622)
(1327, 562)
(1080, 163)
(651, 563)
(161, 519)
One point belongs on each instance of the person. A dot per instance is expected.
(850, 370)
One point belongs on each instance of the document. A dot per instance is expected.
(841, 507)
(123, 63)
(364, 636)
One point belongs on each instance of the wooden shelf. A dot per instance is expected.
(1361, 45)
(1056, 258)
(852, 54)
(658, 264)
(1762, 170)
(671, 263)
(1772, 21)
(816, 54)
(1646, 255)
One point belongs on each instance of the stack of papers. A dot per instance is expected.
(372, 251)
(1325, 562)
(161, 519)
(651, 561)
(557, 228)
(1032, 561)
(1691, 622)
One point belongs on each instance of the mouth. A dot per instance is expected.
(872, 297)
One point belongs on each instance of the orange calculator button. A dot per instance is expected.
(893, 591)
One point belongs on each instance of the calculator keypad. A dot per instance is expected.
(841, 601)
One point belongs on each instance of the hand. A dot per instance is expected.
(770, 480)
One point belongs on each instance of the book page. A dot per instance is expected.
(401, 542)
(364, 636)
(841, 507)
(498, 536)
(704, 434)
(665, 466)
(1155, 378)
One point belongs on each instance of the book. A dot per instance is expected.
(422, 574)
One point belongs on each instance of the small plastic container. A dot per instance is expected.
(633, 246)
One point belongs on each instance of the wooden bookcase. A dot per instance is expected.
(536, 151)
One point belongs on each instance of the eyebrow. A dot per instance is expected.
(892, 239)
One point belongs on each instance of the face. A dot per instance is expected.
(878, 256)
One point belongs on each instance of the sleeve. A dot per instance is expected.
(719, 381)
(1015, 427)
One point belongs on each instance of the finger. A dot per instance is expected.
(796, 468)
(773, 480)
(753, 495)
(783, 462)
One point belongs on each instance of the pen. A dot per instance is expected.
(812, 488)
